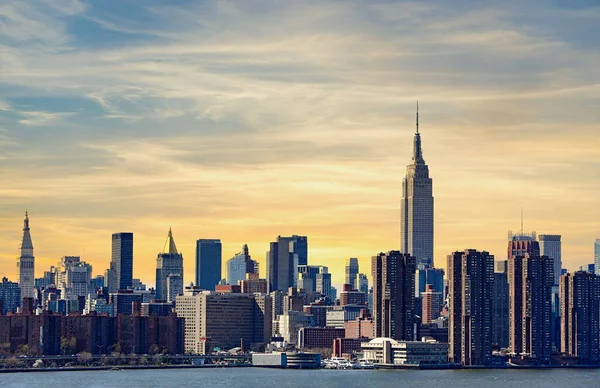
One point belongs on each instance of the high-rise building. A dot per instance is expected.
(73, 277)
(10, 296)
(416, 206)
(110, 279)
(500, 305)
(393, 295)
(240, 265)
(431, 304)
(169, 263)
(530, 280)
(208, 263)
(550, 246)
(362, 283)
(470, 281)
(283, 258)
(26, 263)
(323, 284)
(580, 316)
(122, 259)
(223, 321)
(307, 277)
(521, 243)
(427, 275)
(597, 256)
(351, 271)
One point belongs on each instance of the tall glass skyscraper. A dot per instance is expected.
(208, 263)
(352, 270)
(550, 246)
(597, 256)
(283, 258)
(416, 207)
(240, 265)
(122, 259)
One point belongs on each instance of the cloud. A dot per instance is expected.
(253, 119)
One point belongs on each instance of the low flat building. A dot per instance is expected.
(383, 350)
(287, 360)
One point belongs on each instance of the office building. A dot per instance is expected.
(290, 323)
(431, 305)
(318, 337)
(550, 246)
(348, 295)
(208, 263)
(73, 277)
(110, 279)
(351, 271)
(416, 206)
(253, 284)
(362, 283)
(169, 265)
(323, 284)
(26, 263)
(580, 316)
(283, 258)
(122, 260)
(470, 284)
(337, 316)
(361, 327)
(240, 265)
(389, 351)
(125, 301)
(222, 321)
(500, 300)
(530, 280)
(520, 244)
(427, 275)
(393, 276)
(597, 256)
(10, 296)
(307, 277)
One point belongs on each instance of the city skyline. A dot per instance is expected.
(308, 133)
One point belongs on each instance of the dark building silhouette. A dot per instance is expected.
(530, 279)
(470, 284)
(169, 263)
(122, 259)
(580, 316)
(393, 295)
(208, 263)
(500, 307)
(10, 296)
(283, 258)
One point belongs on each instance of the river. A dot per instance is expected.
(277, 378)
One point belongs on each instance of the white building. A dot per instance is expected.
(26, 263)
(291, 322)
(388, 351)
(73, 277)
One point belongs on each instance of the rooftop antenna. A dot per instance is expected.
(522, 220)
(417, 116)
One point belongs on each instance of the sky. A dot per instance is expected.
(245, 120)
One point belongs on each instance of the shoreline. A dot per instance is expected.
(213, 366)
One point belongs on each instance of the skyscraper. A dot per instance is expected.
(416, 207)
(597, 256)
(122, 259)
(530, 280)
(362, 283)
(550, 246)
(470, 281)
(169, 263)
(240, 265)
(283, 258)
(393, 295)
(351, 271)
(580, 316)
(208, 263)
(500, 305)
(26, 263)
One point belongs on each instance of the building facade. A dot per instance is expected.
(122, 259)
(283, 258)
(10, 296)
(597, 256)
(530, 280)
(241, 265)
(500, 315)
(550, 245)
(208, 263)
(393, 295)
(416, 206)
(169, 266)
(580, 316)
(352, 270)
(470, 283)
(26, 262)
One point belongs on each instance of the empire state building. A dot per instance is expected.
(416, 208)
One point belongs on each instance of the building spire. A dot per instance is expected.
(26, 241)
(171, 243)
(417, 151)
